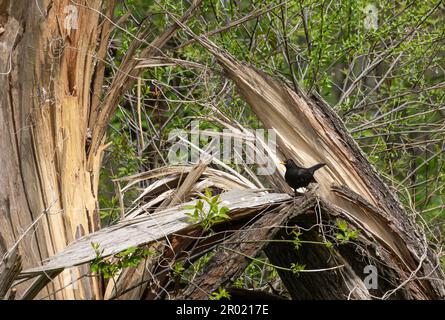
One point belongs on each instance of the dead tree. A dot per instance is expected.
(53, 122)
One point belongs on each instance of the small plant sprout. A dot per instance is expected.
(221, 294)
(238, 283)
(178, 268)
(296, 241)
(329, 244)
(125, 259)
(345, 234)
(297, 268)
(207, 216)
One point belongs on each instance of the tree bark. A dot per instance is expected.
(348, 282)
(53, 124)
(44, 94)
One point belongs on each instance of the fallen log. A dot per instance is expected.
(147, 229)
(318, 226)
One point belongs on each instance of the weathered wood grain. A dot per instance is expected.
(10, 267)
(146, 229)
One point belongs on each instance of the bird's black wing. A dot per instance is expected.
(305, 176)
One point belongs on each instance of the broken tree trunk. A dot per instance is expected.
(317, 226)
(51, 81)
(330, 273)
(310, 132)
(44, 94)
(152, 227)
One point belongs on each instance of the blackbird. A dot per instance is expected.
(298, 177)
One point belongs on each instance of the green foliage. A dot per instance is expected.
(110, 211)
(260, 275)
(197, 266)
(238, 283)
(297, 268)
(332, 47)
(178, 268)
(345, 234)
(186, 273)
(207, 211)
(125, 155)
(297, 241)
(128, 258)
(123, 160)
(221, 294)
(329, 244)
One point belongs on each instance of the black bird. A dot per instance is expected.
(298, 177)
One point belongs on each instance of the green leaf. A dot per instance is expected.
(199, 205)
(297, 268)
(224, 210)
(224, 216)
(208, 193)
(297, 241)
(222, 293)
(342, 224)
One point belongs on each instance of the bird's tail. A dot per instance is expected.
(316, 167)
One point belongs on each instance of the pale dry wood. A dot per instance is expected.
(147, 206)
(209, 173)
(166, 61)
(153, 227)
(48, 97)
(187, 185)
(15, 215)
(163, 189)
(157, 187)
(99, 73)
(264, 153)
(39, 283)
(139, 104)
(218, 162)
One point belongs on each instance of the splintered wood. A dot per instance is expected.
(151, 228)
